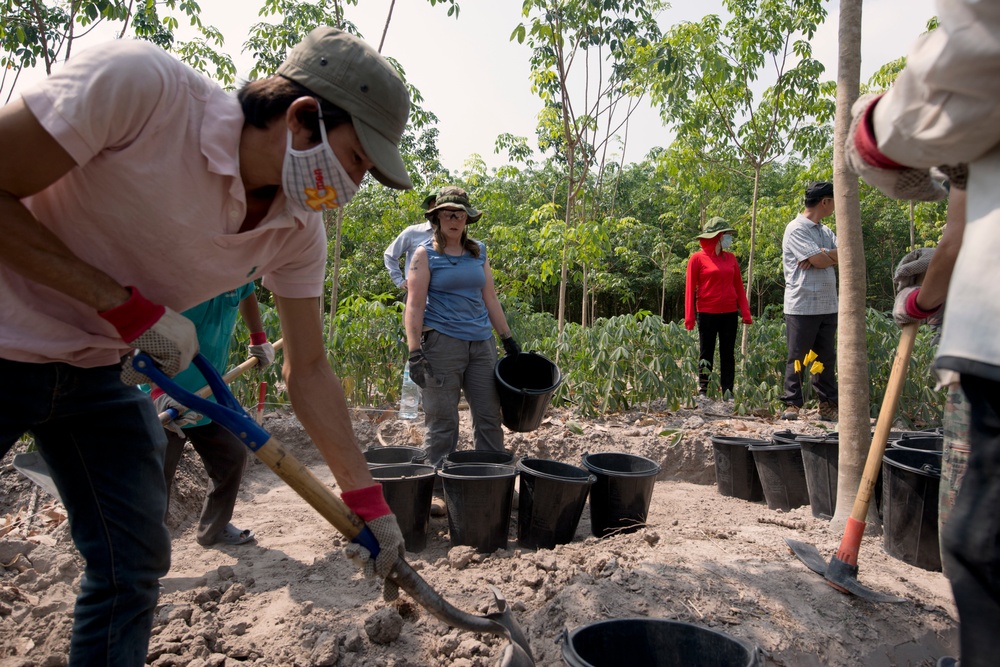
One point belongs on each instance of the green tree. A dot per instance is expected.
(710, 79)
(604, 36)
(36, 33)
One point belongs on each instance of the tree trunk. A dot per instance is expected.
(335, 279)
(753, 243)
(852, 353)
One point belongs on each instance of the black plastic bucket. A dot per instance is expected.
(525, 384)
(407, 488)
(382, 456)
(652, 642)
(735, 473)
(619, 499)
(552, 496)
(820, 461)
(504, 458)
(782, 475)
(923, 443)
(910, 506)
(478, 497)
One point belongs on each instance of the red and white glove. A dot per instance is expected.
(369, 504)
(261, 350)
(168, 337)
(866, 160)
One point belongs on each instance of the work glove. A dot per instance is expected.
(369, 504)
(261, 350)
(166, 336)
(420, 371)
(867, 161)
(911, 269)
(185, 417)
(905, 310)
(510, 346)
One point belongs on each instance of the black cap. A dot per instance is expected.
(818, 190)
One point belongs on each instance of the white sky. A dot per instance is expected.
(476, 80)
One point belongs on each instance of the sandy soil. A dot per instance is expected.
(293, 599)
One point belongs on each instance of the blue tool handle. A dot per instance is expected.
(227, 412)
(367, 539)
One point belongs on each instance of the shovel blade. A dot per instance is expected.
(844, 577)
(809, 555)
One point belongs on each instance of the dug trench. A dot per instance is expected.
(291, 598)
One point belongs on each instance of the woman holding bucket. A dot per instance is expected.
(713, 295)
(450, 317)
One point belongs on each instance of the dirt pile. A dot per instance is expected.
(293, 599)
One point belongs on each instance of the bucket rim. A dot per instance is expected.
(736, 440)
(447, 461)
(605, 471)
(504, 472)
(521, 390)
(588, 478)
(568, 635)
(379, 473)
(775, 447)
(932, 459)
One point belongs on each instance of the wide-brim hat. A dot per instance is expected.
(456, 199)
(346, 71)
(714, 227)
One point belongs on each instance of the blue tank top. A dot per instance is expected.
(455, 305)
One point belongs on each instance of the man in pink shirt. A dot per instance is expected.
(132, 188)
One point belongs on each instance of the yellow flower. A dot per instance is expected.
(816, 368)
(798, 366)
(811, 357)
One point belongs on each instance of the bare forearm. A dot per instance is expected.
(319, 403)
(33, 251)
(414, 322)
(250, 312)
(935, 286)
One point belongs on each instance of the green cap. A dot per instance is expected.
(346, 71)
(713, 227)
(455, 198)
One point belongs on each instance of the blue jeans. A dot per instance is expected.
(104, 446)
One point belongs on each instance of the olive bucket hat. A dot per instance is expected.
(715, 226)
(455, 198)
(346, 71)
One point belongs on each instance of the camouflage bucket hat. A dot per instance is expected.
(714, 227)
(454, 198)
(346, 71)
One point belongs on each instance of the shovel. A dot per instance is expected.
(33, 466)
(229, 414)
(842, 571)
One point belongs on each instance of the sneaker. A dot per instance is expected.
(827, 411)
(791, 412)
(438, 508)
(948, 661)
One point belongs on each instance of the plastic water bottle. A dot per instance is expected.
(410, 396)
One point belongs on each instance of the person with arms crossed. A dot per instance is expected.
(809, 253)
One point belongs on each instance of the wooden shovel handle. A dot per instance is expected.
(230, 375)
(886, 415)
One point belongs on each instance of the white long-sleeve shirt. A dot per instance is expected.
(944, 108)
(406, 243)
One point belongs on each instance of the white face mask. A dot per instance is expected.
(727, 240)
(314, 179)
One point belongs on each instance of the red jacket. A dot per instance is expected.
(714, 284)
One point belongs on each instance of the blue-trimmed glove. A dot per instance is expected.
(369, 504)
